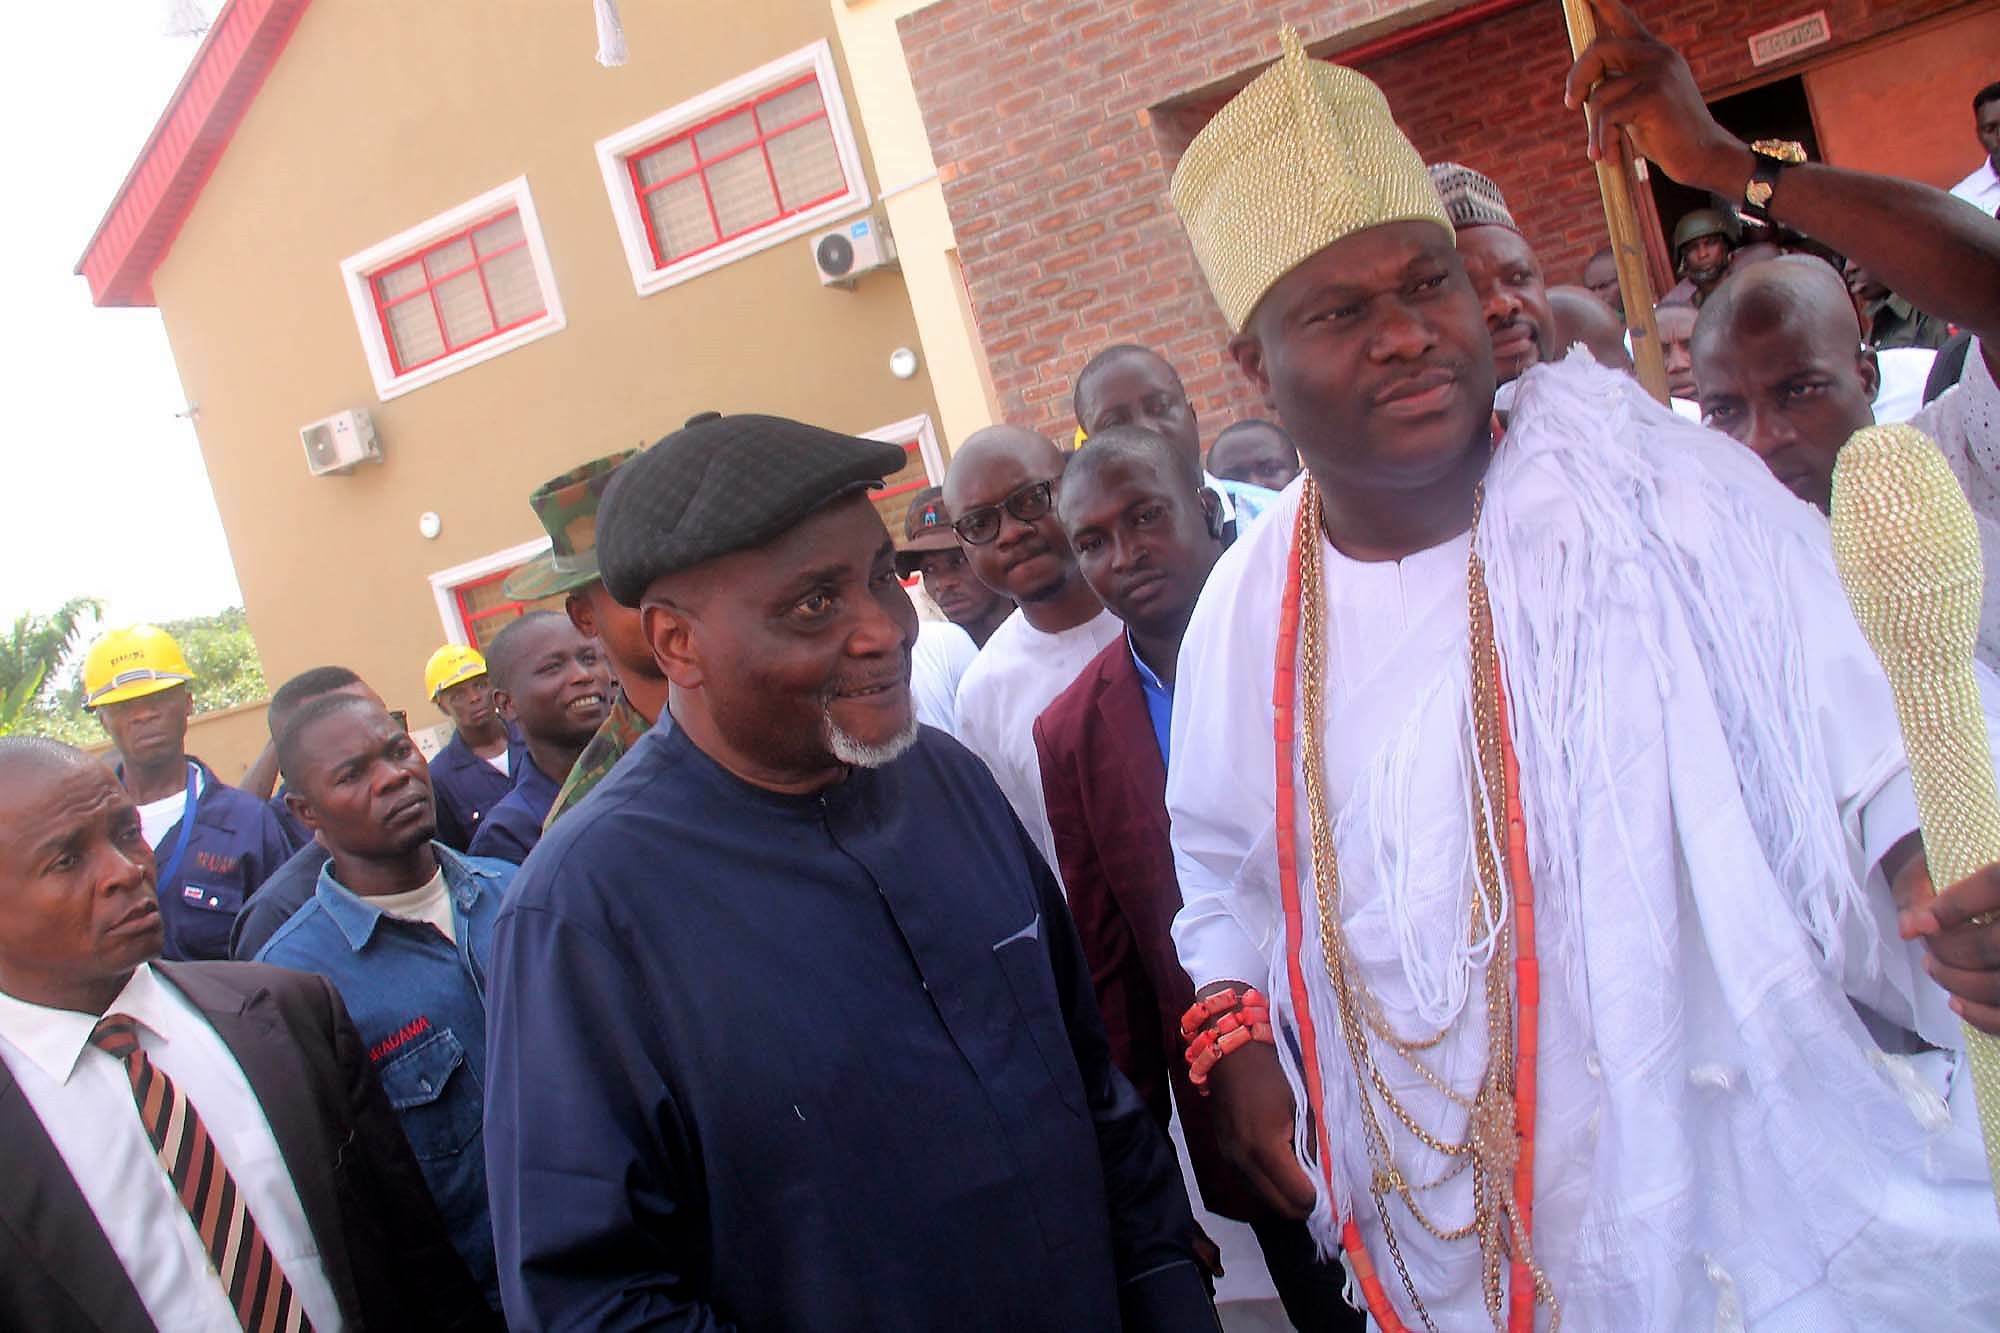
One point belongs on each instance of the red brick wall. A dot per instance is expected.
(1056, 125)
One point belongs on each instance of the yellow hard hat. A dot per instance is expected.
(450, 665)
(131, 663)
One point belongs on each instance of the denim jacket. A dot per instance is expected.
(420, 1005)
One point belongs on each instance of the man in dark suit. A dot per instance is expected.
(193, 1145)
(1146, 533)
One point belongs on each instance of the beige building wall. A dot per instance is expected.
(381, 114)
(914, 203)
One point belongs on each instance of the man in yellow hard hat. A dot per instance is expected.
(215, 844)
(481, 762)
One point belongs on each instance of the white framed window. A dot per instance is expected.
(454, 290)
(761, 159)
(471, 604)
(923, 466)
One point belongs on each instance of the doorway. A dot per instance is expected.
(1775, 110)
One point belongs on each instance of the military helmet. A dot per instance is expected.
(1703, 222)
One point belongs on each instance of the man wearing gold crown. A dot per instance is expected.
(1532, 944)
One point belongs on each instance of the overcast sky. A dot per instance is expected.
(105, 489)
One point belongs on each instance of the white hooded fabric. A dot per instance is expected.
(1710, 774)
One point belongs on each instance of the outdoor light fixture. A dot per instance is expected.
(902, 363)
(429, 524)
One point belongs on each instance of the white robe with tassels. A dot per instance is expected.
(1711, 772)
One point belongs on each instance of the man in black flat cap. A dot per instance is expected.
(788, 1025)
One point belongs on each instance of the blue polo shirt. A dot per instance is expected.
(419, 1002)
(513, 827)
(466, 786)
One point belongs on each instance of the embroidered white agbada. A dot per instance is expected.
(1711, 772)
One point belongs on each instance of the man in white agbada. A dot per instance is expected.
(1000, 492)
(1709, 774)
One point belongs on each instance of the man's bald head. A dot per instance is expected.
(983, 448)
(1130, 385)
(1128, 444)
(25, 758)
(1781, 368)
(996, 477)
(1582, 318)
(76, 878)
(1802, 289)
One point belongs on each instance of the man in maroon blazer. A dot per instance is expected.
(1146, 534)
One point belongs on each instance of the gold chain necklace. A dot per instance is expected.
(1489, 1146)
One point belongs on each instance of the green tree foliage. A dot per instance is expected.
(219, 651)
(32, 653)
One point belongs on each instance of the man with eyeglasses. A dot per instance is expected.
(1000, 493)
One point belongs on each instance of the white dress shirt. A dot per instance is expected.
(83, 1098)
(1981, 189)
(1017, 674)
(1710, 774)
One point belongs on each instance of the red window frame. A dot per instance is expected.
(904, 488)
(428, 291)
(467, 616)
(911, 446)
(701, 166)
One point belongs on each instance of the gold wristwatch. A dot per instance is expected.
(1768, 158)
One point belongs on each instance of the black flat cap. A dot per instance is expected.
(724, 484)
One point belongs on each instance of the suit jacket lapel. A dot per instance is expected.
(271, 1058)
(51, 1220)
(1122, 705)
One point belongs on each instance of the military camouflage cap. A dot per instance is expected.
(567, 508)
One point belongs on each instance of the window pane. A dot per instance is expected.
(742, 191)
(678, 215)
(675, 159)
(511, 282)
(413, 332)
(912, 469)
(787, 107)
(443, 260)
(724, 135)
(483, 595)
(500, 233)
(807, 165)
(399, 281)
(464, 306)
(485, 628)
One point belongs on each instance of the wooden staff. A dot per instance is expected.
(1621, 215)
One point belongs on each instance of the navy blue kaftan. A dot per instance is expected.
(801, 1063)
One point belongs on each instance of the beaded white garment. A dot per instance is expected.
(1711, 770)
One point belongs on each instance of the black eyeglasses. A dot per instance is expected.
(976, 527)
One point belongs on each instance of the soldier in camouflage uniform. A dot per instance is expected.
(567, 508)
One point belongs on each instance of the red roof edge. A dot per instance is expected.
(242, 46)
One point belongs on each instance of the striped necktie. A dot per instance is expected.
(257, 1287)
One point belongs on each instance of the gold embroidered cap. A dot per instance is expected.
(1305, 155)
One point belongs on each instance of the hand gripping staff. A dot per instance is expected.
(1908, 552)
